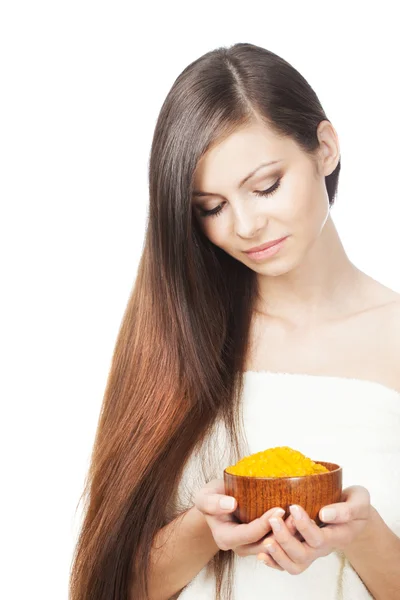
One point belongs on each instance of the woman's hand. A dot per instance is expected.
(286, 553)
(243, 538)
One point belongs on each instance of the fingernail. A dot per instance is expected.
(328, 514)
(226, 502)
(270, 548)
(276, 526)
(296, 512)
(279, 512)
(260, 557)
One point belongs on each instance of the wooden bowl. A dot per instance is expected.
(256, 495)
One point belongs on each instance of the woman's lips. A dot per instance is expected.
(265, 246)
(269, 251)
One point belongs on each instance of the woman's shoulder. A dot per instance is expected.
(377, 293)
(373, 332)
(387, 304)
(378, 301)
(387, 321)
(392, 317)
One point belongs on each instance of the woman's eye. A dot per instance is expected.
(211, 213)
(270, 190)
(217, 210)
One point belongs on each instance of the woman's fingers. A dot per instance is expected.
(212, 500)
(290, 524)
(269, 542)
(311, 533)
(269, 561)
(217, 508)
(355, 504)
(258, 547)
(295, 550)
(240, 534)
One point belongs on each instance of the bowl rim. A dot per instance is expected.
(330, 472)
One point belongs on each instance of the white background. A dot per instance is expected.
(81, 87)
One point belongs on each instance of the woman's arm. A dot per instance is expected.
(187, 546)
(375, 555)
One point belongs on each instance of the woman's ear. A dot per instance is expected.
(329, 151)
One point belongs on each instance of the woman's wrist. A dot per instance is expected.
(200, 526)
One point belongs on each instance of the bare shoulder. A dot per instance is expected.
(381, 307)
(384, 319)
(379, 300)
(393, 337)
(389, 301)
(386, 308)
(392, 318)
(388, 320)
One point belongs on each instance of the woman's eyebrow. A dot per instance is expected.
(199, 194)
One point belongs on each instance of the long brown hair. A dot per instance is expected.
(180, 353)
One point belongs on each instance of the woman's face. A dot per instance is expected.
(298, 205)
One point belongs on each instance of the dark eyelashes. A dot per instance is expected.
(216, 211)
(270, 190)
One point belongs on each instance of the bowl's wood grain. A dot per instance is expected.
(256, 495)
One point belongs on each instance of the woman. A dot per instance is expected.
(222, 353)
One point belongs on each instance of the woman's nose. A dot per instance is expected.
(248, 226)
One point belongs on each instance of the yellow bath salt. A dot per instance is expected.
(281, 461)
